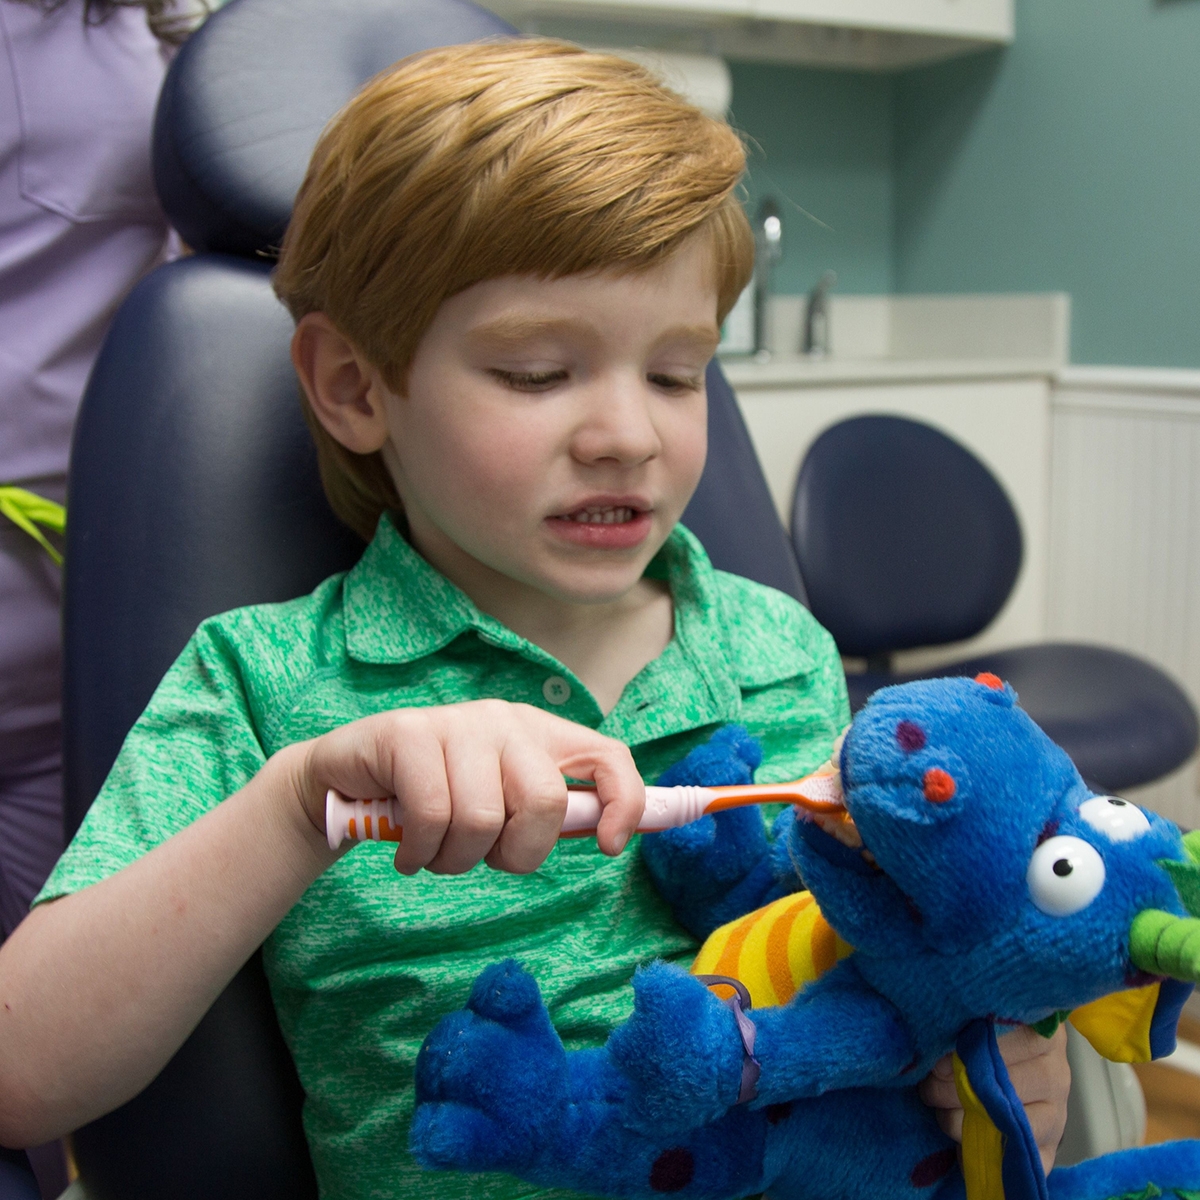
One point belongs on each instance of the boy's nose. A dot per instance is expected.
(619, 426)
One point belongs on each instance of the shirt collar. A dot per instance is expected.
(399, 609)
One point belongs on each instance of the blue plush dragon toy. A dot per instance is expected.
(972, 881)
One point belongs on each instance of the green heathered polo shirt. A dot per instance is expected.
(367, 961)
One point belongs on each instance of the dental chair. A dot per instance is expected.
(194, 489)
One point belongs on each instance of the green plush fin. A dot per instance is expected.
(1047, 1027)
(1186, 878)
(1186, 875)
(1191, 843)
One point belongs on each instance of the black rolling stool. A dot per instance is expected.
(905, 539)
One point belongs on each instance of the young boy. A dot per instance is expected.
(508, 266)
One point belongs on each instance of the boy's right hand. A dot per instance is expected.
(480, 781)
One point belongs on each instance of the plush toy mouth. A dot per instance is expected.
(841, 827)
(821, 802)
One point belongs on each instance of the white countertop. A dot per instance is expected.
(790, 372)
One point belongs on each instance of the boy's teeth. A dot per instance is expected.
(601, 516)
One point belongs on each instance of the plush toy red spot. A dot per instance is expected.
(939, 785)
(990, 680)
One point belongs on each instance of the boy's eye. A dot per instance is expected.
(528, 381)
(676, 383)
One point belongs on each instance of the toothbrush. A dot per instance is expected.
(666, 807)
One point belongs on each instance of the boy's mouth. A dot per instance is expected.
(601, 515)
(603, 526)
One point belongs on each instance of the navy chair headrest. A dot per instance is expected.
(236, 125)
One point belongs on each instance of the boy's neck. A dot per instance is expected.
(604, 644)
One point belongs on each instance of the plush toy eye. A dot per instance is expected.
(1117, 819)
(1065, 874)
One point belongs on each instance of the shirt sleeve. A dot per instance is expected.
(194, 745)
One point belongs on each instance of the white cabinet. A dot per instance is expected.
(861, 34)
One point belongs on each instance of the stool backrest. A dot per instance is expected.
(904, 537)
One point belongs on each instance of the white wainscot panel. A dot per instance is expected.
(1125, 530)
(1006, 422)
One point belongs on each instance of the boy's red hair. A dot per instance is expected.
(468, 163)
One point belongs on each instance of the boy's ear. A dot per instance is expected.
(345, 391)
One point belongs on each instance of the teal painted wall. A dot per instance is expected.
(821, 141)
(1071, 161)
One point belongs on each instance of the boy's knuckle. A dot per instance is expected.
(545, 798)
(480, 823)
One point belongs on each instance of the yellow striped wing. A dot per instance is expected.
(774, 950)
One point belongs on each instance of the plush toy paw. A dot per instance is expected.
(731, 755)
(680, 1053)
(696, 866)
(491, 1079)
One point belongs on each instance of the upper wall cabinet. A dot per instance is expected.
(879, 35)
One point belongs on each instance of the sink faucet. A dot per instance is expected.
(768, 236)
(816, 317)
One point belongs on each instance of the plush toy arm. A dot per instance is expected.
(836, 1033)
(719, 867)
(683, 1054)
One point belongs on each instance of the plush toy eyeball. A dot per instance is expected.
(1117, 819)
(1065, 875)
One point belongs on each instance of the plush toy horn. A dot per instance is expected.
(1164, 944)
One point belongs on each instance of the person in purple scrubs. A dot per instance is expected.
(79, 225)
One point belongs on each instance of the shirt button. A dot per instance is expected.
(556, 690)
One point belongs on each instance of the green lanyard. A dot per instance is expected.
(27, 511)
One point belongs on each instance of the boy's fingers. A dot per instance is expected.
(937, 1090)
(1037, 1066)
(1020, 1044)
(950, 1121)
(622, 796)
(476, 805)
(583, 753)
(535, 798)
(412, 755)
(1040, 1076)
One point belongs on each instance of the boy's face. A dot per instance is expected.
(553, 431)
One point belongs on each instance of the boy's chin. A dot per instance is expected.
(593, 592)
(582, 582)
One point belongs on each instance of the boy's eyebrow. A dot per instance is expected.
(509, 330)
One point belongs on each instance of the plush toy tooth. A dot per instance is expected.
(821, 798)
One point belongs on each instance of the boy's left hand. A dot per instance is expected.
(1040, 1076)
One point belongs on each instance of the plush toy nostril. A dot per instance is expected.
(939, 785)
(990, 680)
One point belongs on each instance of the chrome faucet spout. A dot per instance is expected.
(816, 342)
